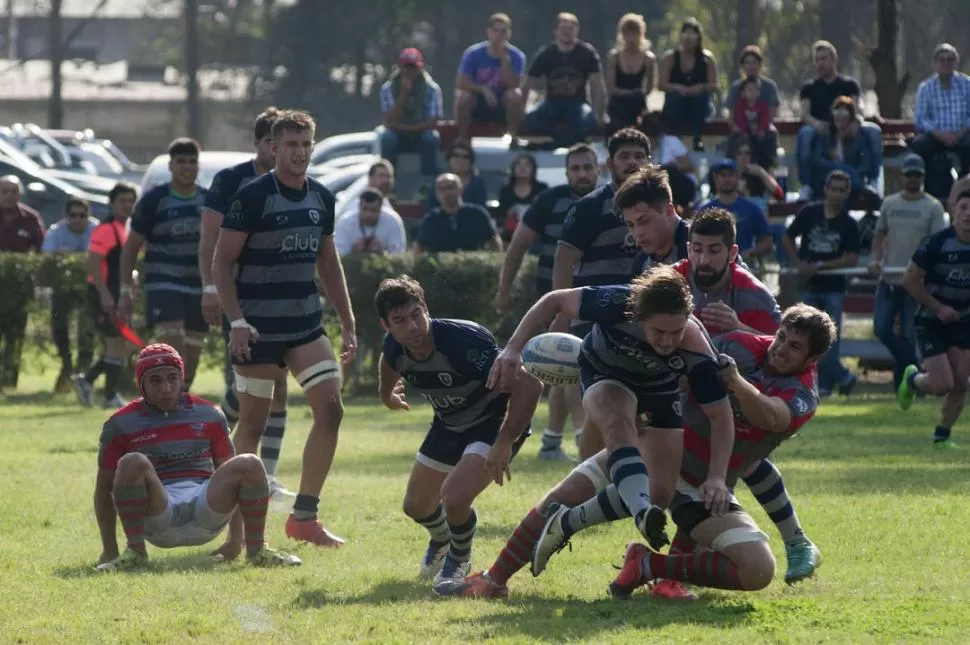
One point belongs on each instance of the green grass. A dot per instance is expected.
(889, 514)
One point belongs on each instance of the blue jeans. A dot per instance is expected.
(892, 299)
(425, 144)
(778, 234)
(831, 372)
(567, 121)
(803, 154)
(691, 112)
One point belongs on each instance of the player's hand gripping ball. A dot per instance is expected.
(553, 358)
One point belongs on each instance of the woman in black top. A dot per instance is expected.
(517, 194)
(630, 69)
(688, 74)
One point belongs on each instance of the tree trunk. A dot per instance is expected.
(835, 25)
(55, 105)
(890, 88)
(748, 33)
(190, 67)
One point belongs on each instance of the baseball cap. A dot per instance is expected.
(411, 56)
(724, 164)
(913, 163)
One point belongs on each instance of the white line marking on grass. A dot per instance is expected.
(253, 618)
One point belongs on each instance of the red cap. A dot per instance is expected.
(411, 56)
(157, 355)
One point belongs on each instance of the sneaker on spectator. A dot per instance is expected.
(114, 403)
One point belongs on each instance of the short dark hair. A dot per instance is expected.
(814, 323)
(121, 188)
(377, 165)
(652, 123)
(715, 222)
(263, 126)
(294, 121)
(749, 80)
(580, 149)
(751, 50)
(628, 137)
(394, 293)
(371, 196)
(837, 175)
(77, 201)
(649, 185)
(184, 147)
(963, 194)
(460, 145)
(661, 289)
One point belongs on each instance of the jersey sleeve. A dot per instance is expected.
(330, 206)
(223, 188)
(222, 447)
(143, 218)
(112, 446)
(604, 305)
(245, 211)
(468, 63)
(928, 252)
(391, 350)
(102, 240)
(801, 402)
(476, 347)
(578, 227)
(702, 377)
(536, 215)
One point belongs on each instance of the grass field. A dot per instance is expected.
(889, 514)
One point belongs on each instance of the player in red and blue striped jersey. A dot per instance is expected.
(166, 463)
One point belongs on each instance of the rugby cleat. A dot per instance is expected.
(673, 590)
(803, 559)
(945, 445)
(128, 560)
(652, 525)
(433, 559)
(476, 585)
(631, 575)
(278, 492)
(552, 538)
(905, 392)
(83, 389)
(452, 571)
(312, 532)
(113, 403)
(554, 454)
(267, 557)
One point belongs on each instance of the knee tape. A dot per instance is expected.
(739, 535)
(322, 371)
(261, 388)
(591, 470)
(191, 341)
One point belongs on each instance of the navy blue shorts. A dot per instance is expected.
(442, 448)
(657, 410)
(484, 113)
(174, 306)
(936, 336)
(263, 353)
(580, 328)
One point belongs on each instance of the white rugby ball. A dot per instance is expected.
(553, 358)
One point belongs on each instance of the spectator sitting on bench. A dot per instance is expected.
(411, 102)
(461, 162)
(752, 65)
(751, 120)
(455, 226)
(517, 195)
(568, 65)
(688, 74)
(753, 238)
(669, 152)
(630, 71)
(852, 145)
(489, 76)
(754, 182)
(817, 97)
(942, 118)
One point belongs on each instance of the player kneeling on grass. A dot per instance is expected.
(475, 433)
(166, 463)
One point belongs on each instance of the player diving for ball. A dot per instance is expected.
(475, 432)
(275, 240)
(771, 380)
(166, 463)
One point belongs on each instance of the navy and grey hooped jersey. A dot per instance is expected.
(618, 347)
(946, 261)
(608, 247)
(277, 266)
(227, 183)
(171, 226)
(545, 216)
(453, 378)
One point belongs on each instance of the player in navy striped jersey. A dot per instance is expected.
(167, 221)
(542, 223)
(225, 185)
(938, 278)
(166, 462)
(275, 240)
(475, 432)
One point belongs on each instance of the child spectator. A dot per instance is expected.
(752, 120)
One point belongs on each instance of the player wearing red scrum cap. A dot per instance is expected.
(166, 462)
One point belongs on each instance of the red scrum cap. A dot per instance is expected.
(157, 355)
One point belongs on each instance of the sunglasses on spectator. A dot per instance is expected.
(77, 215)
(460, 155)
(947, 59)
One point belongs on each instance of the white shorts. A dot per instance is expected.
(188, 520)
(694, 495)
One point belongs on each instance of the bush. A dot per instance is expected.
(461, 285)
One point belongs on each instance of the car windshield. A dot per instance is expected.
(31, 167)
(104, 162)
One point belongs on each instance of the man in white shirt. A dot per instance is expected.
(380, 177)
(371, 229)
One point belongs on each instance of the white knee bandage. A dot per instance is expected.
(739, 535)
(322, 371)
(591, 470)
(261, 388)
(191, 341)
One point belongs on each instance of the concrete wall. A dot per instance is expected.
(143, 129)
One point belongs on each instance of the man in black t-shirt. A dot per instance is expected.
(455, 225)
(567, 64)
(817, 97)
(829, 240)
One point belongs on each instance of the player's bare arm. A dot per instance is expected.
(769, 413)
(524, 395)
(228, 247)
(104, 511)
(522, 239)
(208, 234)
(129, 255)
(331, 272)
(391, 387)
(564, 264)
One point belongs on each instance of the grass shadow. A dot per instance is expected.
(387, 591)
(181, 563)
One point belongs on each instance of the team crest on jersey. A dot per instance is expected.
(235, 211)
(445, 378)
(314, 216)
(676, 363)
(197, 428)
(800, 405)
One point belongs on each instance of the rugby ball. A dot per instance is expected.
(553, 358)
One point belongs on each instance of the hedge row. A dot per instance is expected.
(459, 285)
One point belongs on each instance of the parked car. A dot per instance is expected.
(340, 163)
(210, 163)
(345, 145)
(46, 194)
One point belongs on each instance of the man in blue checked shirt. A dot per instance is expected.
(411, 103)
(943, 110)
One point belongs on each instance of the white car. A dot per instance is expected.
(210, 163)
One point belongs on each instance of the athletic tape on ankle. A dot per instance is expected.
(739, 535)
(322, 371)
(261, 388)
